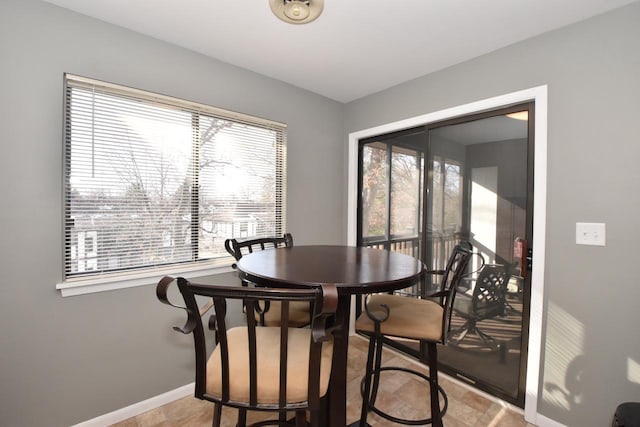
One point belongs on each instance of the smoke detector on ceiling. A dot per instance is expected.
(297, 11)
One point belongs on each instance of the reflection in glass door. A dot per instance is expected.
(391, 177)
(487, 342)
(475, 174)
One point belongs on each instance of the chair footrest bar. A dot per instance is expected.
(371, 406)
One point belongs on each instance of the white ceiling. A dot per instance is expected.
(356, 47)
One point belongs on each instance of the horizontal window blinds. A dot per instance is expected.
(152, 180)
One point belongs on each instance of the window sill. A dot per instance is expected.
(112, 282)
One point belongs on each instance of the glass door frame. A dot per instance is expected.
(519, 400)
(538, 94)
(426, 201)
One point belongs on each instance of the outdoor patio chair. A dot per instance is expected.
(487, 301)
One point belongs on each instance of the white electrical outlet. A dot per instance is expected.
(590, 233)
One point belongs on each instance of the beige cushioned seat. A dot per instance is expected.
(268, 365)
(299, 314)
(412, 318)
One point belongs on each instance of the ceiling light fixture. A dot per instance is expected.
(297, 11)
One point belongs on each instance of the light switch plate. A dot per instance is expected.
(590, 233)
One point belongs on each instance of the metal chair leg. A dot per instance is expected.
(301, 418)
(242, 418)
(217, 415)
(376, 369)
(436, 416)
(372, 374)
(366, 390)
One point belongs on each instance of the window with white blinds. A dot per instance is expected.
(153, 181)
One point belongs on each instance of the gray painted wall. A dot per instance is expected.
(591, 343)
(66, 360)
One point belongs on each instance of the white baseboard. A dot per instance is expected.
(543, 421)
(139, 408)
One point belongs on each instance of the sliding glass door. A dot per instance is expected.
(424, 190)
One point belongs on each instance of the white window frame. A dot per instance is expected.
(78, 284)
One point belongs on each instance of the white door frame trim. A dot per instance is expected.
(539, 96)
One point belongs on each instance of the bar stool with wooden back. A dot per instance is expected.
(261, 368)
(423, 320)
(268, 313)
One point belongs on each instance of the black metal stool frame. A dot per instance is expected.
(452, 275)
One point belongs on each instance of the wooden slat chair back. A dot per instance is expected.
(268, 313)
(253, 367)
(238, 248)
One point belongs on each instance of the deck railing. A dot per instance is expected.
(408, 245)
(439, 246)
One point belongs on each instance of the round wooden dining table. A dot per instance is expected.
(354, 271)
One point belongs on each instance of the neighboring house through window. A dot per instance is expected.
(152, 181)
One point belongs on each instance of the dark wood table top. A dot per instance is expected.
(353, 270)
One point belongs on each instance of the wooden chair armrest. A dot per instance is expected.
(327, 309)
(373, 315)
(192, 318)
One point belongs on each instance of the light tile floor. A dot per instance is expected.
(400, 394)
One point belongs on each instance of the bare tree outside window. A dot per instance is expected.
(375, 184)
(446, 218)
(405, 192)
(154, 184)
(391, 203)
